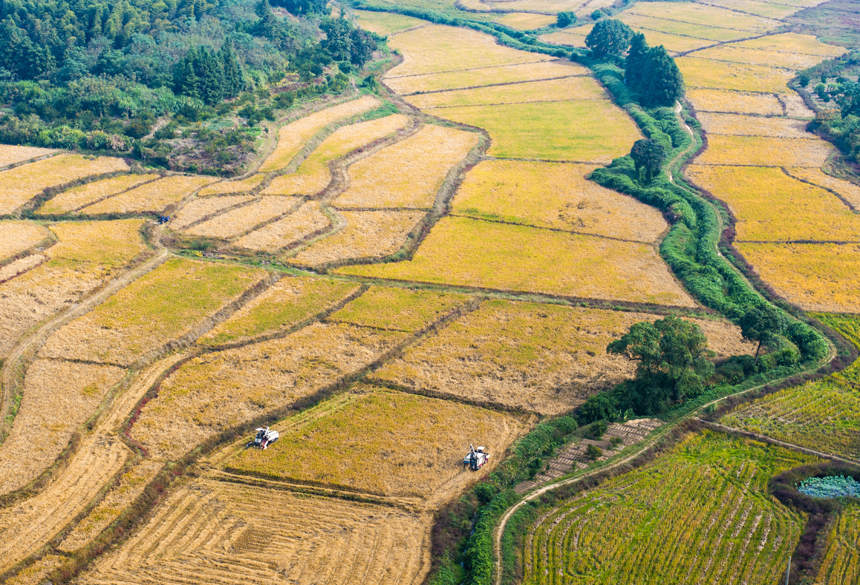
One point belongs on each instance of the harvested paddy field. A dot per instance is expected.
(58, 397)
(19, 236)
(769, 58)
(553, 90)
(270, 534)
(76, 198)
(702, 14)
(382, 442)
(245, 218)
(21, 184)
(484, 254)
(306, 221)
(540, 358)
(150, 198)
(200, 209)
(699, 513)
(398, 309)
(738, 125)
(215, 391)
(285, 304)
(715, 100)
(12, 155)
(386, 23)
(554, 195)
(526, 21)
(713, 34)
(841, 562)
(409, 173)
(163, 305)
(233, 187)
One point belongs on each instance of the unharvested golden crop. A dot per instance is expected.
(266, 532)
(841, 562)
(293, 136)
(675, 27)
(10, 155)
(554, 195)
(286, 304)
(792, 43)
(58, 396)
(16, 267)
(581, 131)
(108, 244)
(738, 125)
(19, 185)
(367, 234)
(152, 197)
(569, 88)
(245, 218)
(78, 197)
(435, 48)
(233, 187)
(525, 20)
(773, 58)
(771, 206)
(305, 221)
(19, 236)
(159, 307)
(715, 100)
(199, 209)
(485, 76)
(468, 252)
(381, 442)
(542, 358)
(710, 74)
(570, 38)
(756, 8)
(215, 391)
(398, 308)
(817, 277)
(409, 173)
(848, 191)
(313, 174)
(796, 108)
(705, 15)
(763, 151)
(385, 23)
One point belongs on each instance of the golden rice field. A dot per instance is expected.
(705, 15)
(792, 43)
(699, 513)
(87, 254)
(772, 206)
(554, 195)
(816, 277)
(285, 304)
(58, 397)
(765, 151)
(78, 197)
(241, 220)
(313, 174)
(526, 20)
(769, 58)
(575, 37)
(737, 125)
(165, 304)
(385, 23)
(269, 533)
(674, 27)
(848, 191)
(408, 173)
(12, 155)
(754, 7)
(710, 74)
(581, 131)
(484, 76)
(21, 184)
(215, 391)
(20, 266)
(233, 187)
(366, 235)
(38, 571)
(20, 236)
(715, 100)
(293, 136)
(536, 357)
(467, 252)
(382, 442)
(398, 309)
(303, 222)
(199, 209)
(841, 562)
(151, 197)
(555, 90)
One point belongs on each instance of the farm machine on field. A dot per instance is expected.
(476, 458)
(264, 438)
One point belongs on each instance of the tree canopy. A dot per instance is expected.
(609, 37)
(761, 324)
(648, 156)
(565, 19)
(652, 73)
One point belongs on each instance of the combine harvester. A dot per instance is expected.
(476, 458)
(264, 438)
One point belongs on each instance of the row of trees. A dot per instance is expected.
(209, 75)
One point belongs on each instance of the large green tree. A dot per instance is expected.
(662, 83)
(634, 64)
(761, 324)
(648, 156)
(609, 37)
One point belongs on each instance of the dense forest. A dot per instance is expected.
(129, 75)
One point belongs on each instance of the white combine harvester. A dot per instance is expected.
(476, 458)
(264, 438)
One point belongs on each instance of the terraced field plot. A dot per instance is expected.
(765, 151)
(710, 74)
(712, 33)
(200, 209)
(11, 155)
(151, 197)
(19, 236)
(737, 125)
(525, 20)
(385, 23)
(165, 304)
(269, 533)
(541, 358)
(233, 187)
(89, 193)
(841, 562)
(705, 15)
(245, 218)
(305, 221)
(397, 308)
(850, 192)
(770, 58)
(382, 442)
(700, 512)
(554, 90)
(715, 100)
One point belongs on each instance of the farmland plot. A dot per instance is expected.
(293, 136)
(20, 266)
(160, 306)
(715, 100)
(705, 15)
(200, 209)
(89, 193)
(12, 155)
(848, 191)
(709, 74)
(841, 562)
(236, 222)
(710, 33)
(397, 309)
(151, 197)
(764, 8)
(58, 397)
(409, 173)
(233, 187)
(21, 184)
(792, 43)
(271, 534)
(382, 442)
(737, 125)
(525, 20)
(86, 255)
(19, 236)
(700, 513)
(467, 252)
(739, 54)
(288, 302)
(385, 23)
(215, 391)
(305, 221)
(553, 90)
(313, 175)
(765, 151)
(541, 358)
